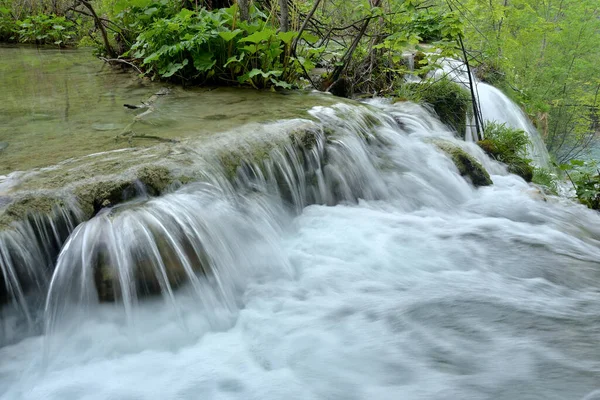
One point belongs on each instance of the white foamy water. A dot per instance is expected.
(426, 288)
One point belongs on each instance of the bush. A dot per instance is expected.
(46, 29)
(509, 146)
(585, 177)
(545, 177)
(431, 26)
(8, 26)
(450, 101)
(211, 46)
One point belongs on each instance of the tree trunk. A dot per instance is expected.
(109, 50)
(284, 18)
(244, 6)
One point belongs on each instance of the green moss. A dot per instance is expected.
(450, 101)
(92, 197)
(466, 164)
(522, 168)
(156, 178)
(491, 73)
(19, 209)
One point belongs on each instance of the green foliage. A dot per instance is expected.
(7, 25)
(545, 177)
(211, 46)
(548, 51)
(585, 176)
(509, 146)
(435, 25)
(507, 143)
(46, 29)
(450, 101)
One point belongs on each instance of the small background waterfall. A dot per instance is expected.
(495, 106)
(342, 255)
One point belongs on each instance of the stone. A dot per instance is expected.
(467, 165)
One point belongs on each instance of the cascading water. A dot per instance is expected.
(495, 106)
(27, 256)
(357, 264)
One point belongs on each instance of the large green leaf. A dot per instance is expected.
(259, 36)
(287, 37)
(172, 68)
(204, 61)
(235, 59)
(229, 35)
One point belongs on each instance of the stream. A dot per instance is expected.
(361, 265)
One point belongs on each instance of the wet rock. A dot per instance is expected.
(157, 179)
(95, 196)
(466, 164)
(162, 264)
(20, 208)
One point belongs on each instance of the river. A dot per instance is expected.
(374, 271)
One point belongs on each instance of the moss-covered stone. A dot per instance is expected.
(157, 179)
(466, 164)
(522, 168)
(450, 101)
(19, 209)
(148, 278)
(92, 197)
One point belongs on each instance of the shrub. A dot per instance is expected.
(585, 177)
(8, 26)
(545, 177)
(509, 146)
(450, 101)
(46, 29)
(211, 46)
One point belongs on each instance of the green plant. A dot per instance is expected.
(509, 146)
(433, 25)
(585, 177)
(8, 25)
(213, 46)
(450, 101)
(46, 29)
(545, 177)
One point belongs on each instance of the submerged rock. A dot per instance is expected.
(162, 262)
(466, 164)
(107, 127)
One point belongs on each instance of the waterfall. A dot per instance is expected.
(352, 261)
(495, 106)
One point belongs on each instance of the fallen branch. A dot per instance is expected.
(122, 61)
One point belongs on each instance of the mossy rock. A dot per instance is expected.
(522, 168)
(490, 73)
(467, 165)
(20, 209)
(147, 282)
(157, 179)
(92, 197)
(450, 101)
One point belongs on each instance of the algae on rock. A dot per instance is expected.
(467, 165)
